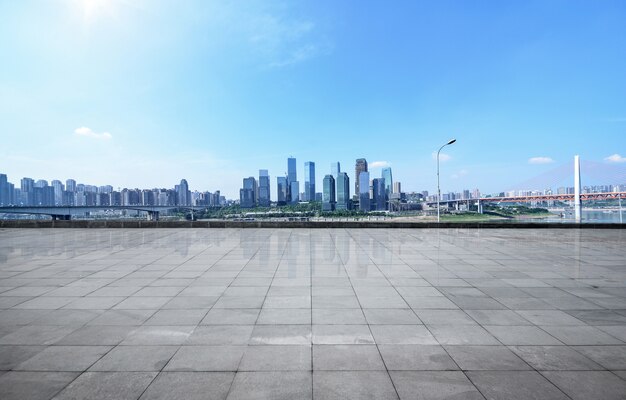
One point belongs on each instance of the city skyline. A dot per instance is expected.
(101, 99)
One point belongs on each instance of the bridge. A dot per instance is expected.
(576, 198)
(66, 212)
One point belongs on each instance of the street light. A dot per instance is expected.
(438, 188)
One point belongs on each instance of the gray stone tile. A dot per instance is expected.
(497, 317)
(580, 335)
(522, 335)
(276, 358)
(352, 384)
(347, 358)
(486, 358)
(189, 386)
(402, 334)
(107, 386)
(588, 385)
(335, 302)
(231, 316)
(285, 316)
(94, 303)
(158, 336)
(97, 335)
(19, 385)
(434, 385)
(515, 385)
(405, 357)
(288, 302)
(390, 316)
(135, 358)
(11, 356)
(447, 317)
(426, 302)
(610, 357)
(281, 335)
(37, 335)
(342, 334)
(283, 385)
(176, 317)
(206, 358)
(549, 317)
(555, 358)
(462, 335)
(221, 335)
(338, 316)
(64, 358)
(122, 317)
(240, 302)
(142, 303)
(190, 303)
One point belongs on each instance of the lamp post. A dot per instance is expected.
(438, 188)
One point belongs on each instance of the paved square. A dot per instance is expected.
(312, 313)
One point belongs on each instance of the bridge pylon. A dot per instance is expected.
(577, 202)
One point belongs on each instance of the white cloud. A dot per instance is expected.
(379, 164)
(87, 132)
(460, 174)
(442, 156)
(540, 160)
(615, 158)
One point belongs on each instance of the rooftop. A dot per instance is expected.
(312, 313)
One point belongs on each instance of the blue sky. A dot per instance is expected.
(144, 93)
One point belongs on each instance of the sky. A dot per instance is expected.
(143, 93)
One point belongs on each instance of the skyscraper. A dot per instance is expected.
(309, 181)
(328, 194)
(5, 198)
(58, 191)
(70, 185)
(379, 196)
(282, 189)
(294, 191)
(247, 195)
(183, 194)
(386, 175)
(397, 188)
(292, 181)
(27, 186)
(361, 166)
(343, 192)
(335, 169)
(264, 188)
(364, 187)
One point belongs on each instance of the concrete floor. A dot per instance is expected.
(324, 314)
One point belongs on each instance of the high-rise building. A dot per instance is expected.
(292, 177)
(58, 191)
(309, 181)
(182, 193)
(386, 175)
(328, 194)
(282, 190)
(264, 188)
(379, 194)
(5, 198)
(360, 166)
(41, 183)
(364, 187)
(343, 191)
(27, 185)
(397, 188)
(335, 169)
(294, 191)
(70, 185)
(247, 195)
